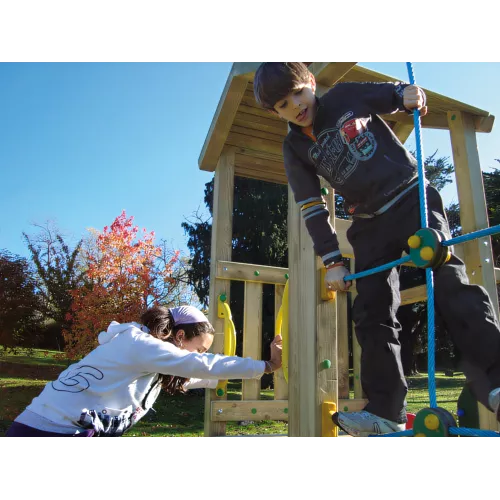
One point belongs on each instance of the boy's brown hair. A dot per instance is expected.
(275, 80)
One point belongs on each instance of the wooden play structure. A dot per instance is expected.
(245, 140)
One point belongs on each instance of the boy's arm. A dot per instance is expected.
(382, 98)
(307, 193)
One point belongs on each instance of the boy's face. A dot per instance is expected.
(299, 106)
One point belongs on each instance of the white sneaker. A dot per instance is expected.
(363, 423)
(494, 401)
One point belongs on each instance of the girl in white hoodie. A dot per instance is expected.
(114, 386)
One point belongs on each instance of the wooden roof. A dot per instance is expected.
(257, 136)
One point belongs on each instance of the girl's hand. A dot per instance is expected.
(276, 349)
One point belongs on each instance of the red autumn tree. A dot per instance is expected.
(121, 283)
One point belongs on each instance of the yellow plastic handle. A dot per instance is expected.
(282, 328)
(229, 341)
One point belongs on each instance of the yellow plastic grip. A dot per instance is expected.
(224, 312)
(281, 328)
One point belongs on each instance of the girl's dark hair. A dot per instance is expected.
(161, 325)
(275, 80)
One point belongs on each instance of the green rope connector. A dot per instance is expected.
(326, 364)
(256, 273)
(223, 297)
(220, 392)
(254, 410)
(324, 191)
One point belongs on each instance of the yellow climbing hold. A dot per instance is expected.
(431, 422)
(427, 253)
(414, 241)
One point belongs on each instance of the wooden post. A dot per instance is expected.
(473, 216)
(221, 246)
(280, 384)
(330, 314)
(403, 131)
(252, 335)
(302, 373)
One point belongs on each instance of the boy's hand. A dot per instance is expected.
(414, 98)
(334, 278)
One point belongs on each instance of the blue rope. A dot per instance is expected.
(464, 431)
(428, 272)
(454, 431)
(375, 270)
(471, 236)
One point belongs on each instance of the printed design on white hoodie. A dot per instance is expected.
(78, 380)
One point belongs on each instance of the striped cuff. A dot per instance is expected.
(331, 258)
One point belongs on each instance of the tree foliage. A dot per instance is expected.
(19, 303)
(123, 279)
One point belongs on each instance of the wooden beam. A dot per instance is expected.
(403, 131)
(473, 216)
(329, 73)
(412, 295)
(222, 121)
(221, 248)
(280, 384)
(259, 134)
(303, 368)
(268, 124)
(260, 175)
(255, 144)
(227, 270)
(252, 335)
(347, 404)
(233, 411)
(330, 317)
(438, 121)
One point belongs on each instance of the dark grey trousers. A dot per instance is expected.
(466, 309)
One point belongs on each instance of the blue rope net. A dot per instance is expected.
(458, 431)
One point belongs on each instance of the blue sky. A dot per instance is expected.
(80, 142)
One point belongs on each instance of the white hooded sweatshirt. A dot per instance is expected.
(115, 385)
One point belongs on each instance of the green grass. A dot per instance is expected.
(22, 377)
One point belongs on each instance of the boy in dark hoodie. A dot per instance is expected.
(342, 138)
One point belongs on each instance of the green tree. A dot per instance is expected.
(19, 304)
(57, 272)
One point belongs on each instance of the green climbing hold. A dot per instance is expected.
(223, 297)
(453, 117)
(324, 191)
(286, 276)
(254, 410)
(326, 364)
(256, 273)
(285, 410)
(346, 408)
(357, 377)
(220, 392)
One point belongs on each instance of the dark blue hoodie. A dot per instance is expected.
(355, 152)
